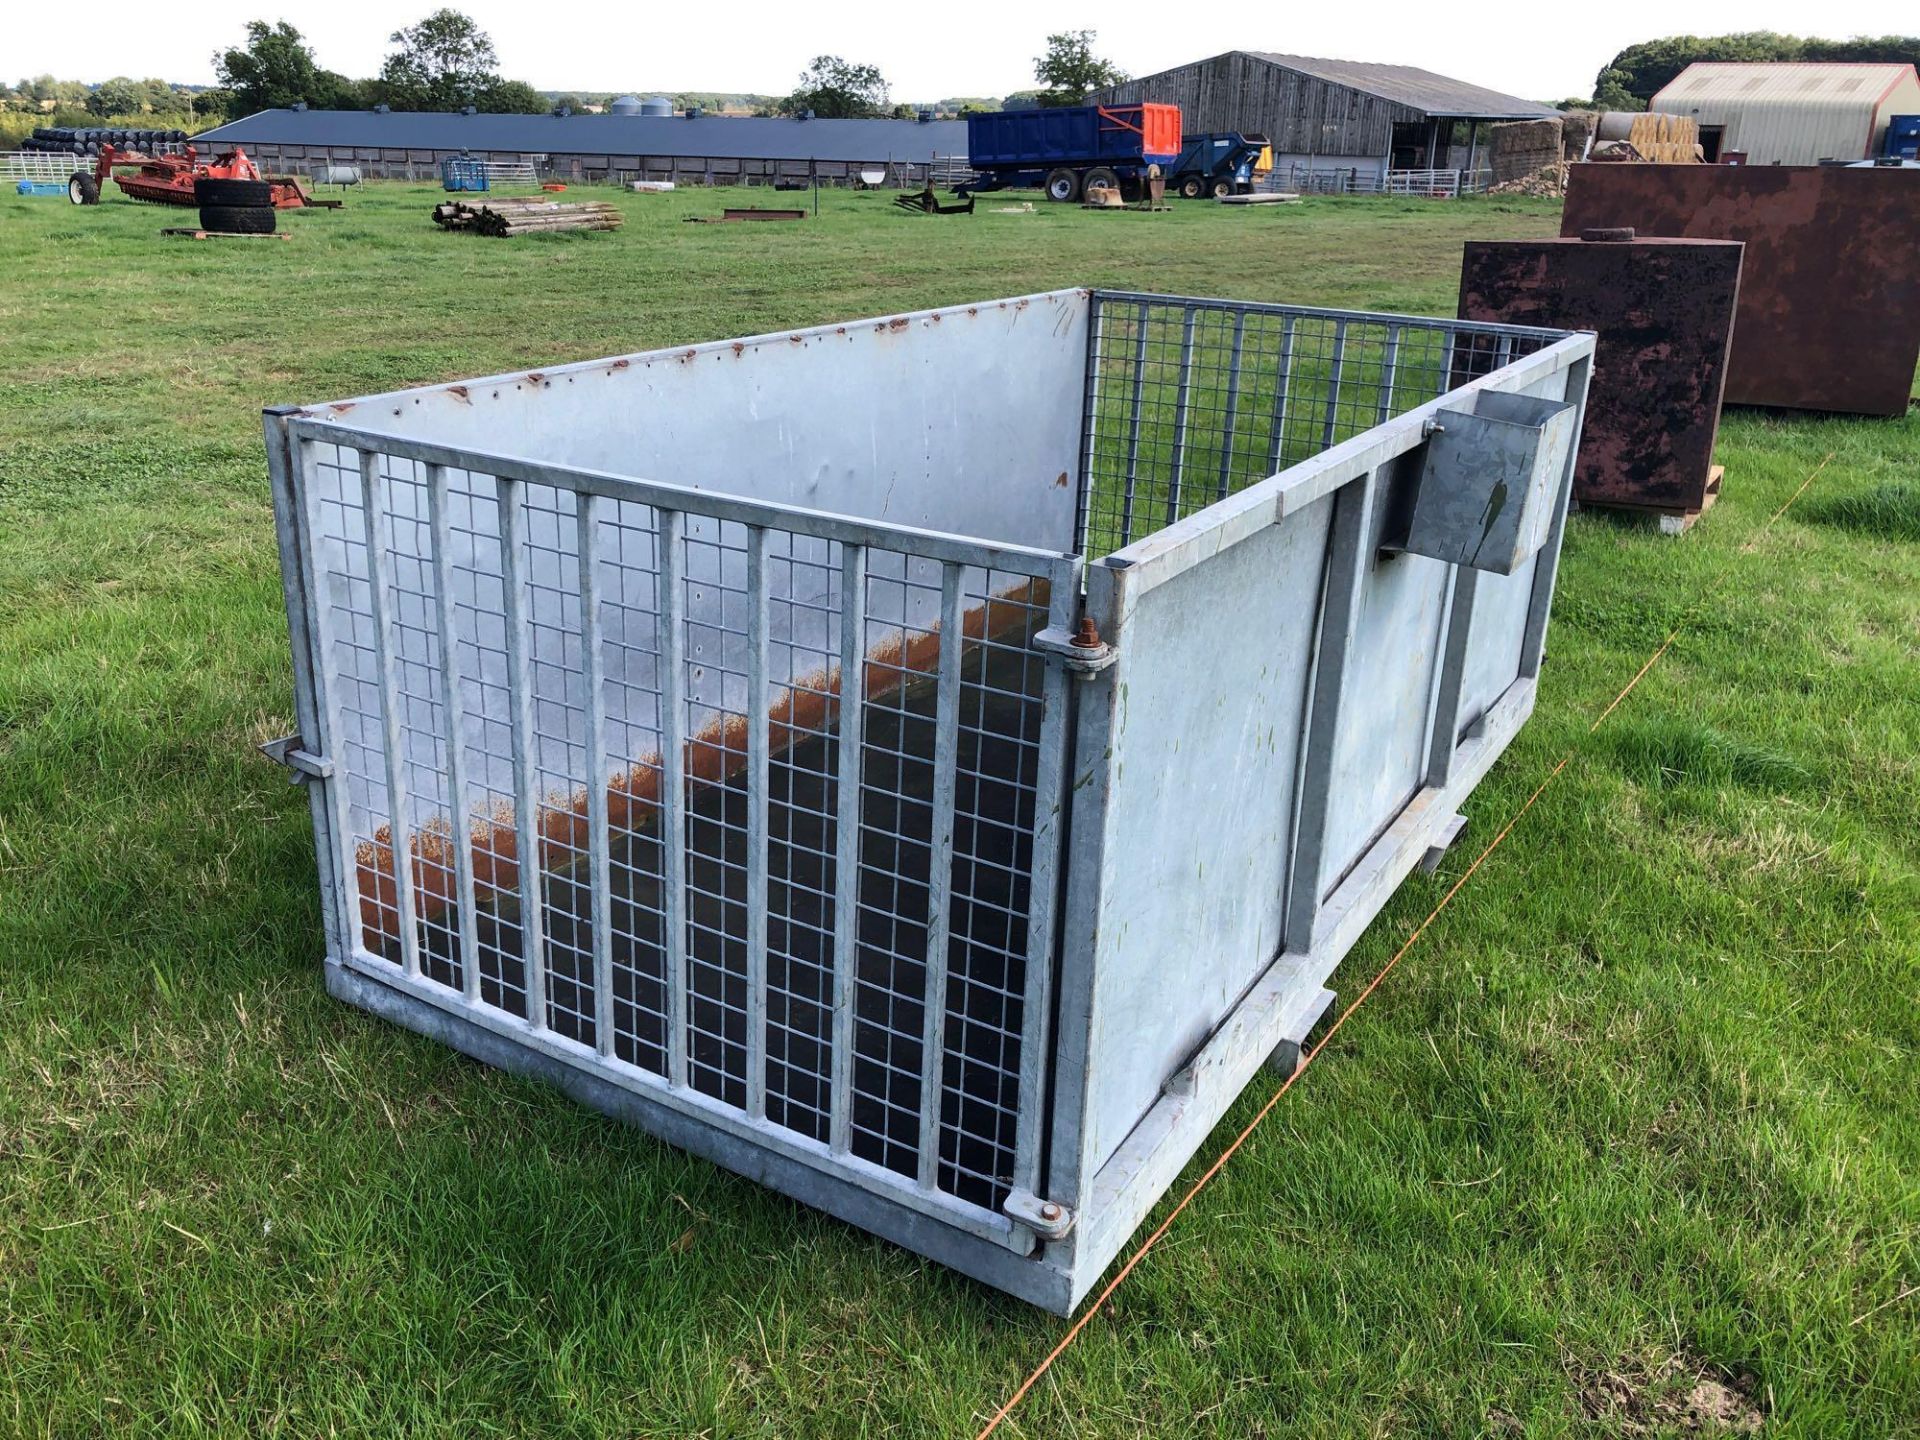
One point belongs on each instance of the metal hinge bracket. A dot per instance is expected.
(291, 751)
(1084, 652)
(1048, 1219)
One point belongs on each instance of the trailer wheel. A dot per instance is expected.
(1099, 175)
(237, 219)
(232, 194)
(1222, 189)
(1063, 185)
(83, 189)
(1192, 188)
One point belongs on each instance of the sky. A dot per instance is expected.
(1541, 51)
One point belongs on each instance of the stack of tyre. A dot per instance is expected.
(87, 139)
(234, 207)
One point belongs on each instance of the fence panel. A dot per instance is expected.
(597, 784)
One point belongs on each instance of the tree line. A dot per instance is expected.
(833, 88)
(447, 62)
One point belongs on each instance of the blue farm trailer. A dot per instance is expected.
(1065, 151)
(1218, 165)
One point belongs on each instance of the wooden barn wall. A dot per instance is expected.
(1294, 111)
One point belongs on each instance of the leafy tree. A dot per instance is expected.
(155, 95)
(214, 105)
(836, 89)
(276, 69)
(38, 90)
(443, 63)
(1070, 71)
(118, 96)
(1023, 100)
(1633, 77)
(512, 97)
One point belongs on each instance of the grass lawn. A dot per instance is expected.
(1640, 1110)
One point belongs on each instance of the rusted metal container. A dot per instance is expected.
(1829, 315)
(1663, 311)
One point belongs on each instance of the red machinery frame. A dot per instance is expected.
(168, 179)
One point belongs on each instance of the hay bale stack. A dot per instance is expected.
(1576, 133)
(1524, 147)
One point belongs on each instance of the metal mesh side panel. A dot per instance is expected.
(637, 889)
(1192, 401)
(998, 768)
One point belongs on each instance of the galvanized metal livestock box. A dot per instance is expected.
(734, 736)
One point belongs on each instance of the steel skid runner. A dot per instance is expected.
(735, 736)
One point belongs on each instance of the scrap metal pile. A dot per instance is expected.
(501, 215)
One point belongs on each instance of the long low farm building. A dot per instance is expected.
(688, 149)
(1332, 118)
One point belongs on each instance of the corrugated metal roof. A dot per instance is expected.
(1809, 82)
(1794, 112)
(709, 135)
(1434, 95)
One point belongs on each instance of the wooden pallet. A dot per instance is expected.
(223, 234)
(1678, 522)
(1672, 522)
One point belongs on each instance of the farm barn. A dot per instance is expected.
(1789, 113)
(688, 149)
(1326, 116)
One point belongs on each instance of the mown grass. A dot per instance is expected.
(1640, 1108)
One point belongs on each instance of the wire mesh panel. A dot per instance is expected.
(1191, 400)
(750, 811)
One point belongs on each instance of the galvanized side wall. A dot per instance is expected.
(1198, 759)
(965, 420)
(747, 813)
(1297, 709)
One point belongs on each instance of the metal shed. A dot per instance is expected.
(1792, 113)
(734, 735)
(1333, 114)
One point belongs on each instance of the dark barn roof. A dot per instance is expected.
(708, 135)
(1434, 95)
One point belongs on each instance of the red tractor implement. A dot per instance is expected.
(169, 179)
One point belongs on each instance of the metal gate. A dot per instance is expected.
(586, 776)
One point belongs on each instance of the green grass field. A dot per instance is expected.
(1630, 1139)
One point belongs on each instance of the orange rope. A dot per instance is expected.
(1308, 1057)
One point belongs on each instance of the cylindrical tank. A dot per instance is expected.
(624, 105)
(1618, 124)
(656, 105)
(337, 175)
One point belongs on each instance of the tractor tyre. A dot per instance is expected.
(1063, 185)
(232, 194)
(238, 219)
(82, 188)
(1099, 175)
(1222, 189)
(1192, 188)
